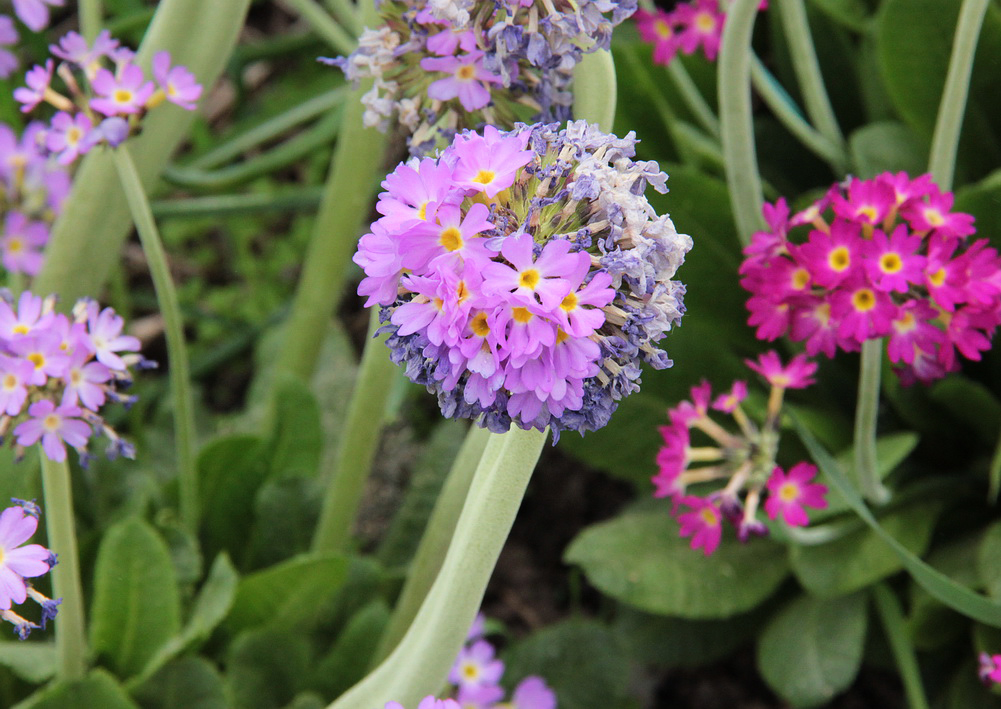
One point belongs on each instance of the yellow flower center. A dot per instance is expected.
(15, 246)
(521, 315)
(788, 492)
(529, 278)
(864, 300)
(570, 302)
(561, 336)
(451, 239)
(38, 359)
(123, 96)
(705, 22)
(479, 325)
(868, 211)
(485, 177)
(9, 381)
(461, 291)
(663, 29)
(20, 329)
(800, 278)
(709, 516)
(465, 72)
(51, 422)
(937, 278)
(422, 211)
(890, 263)
(934, 217)
(839, 259)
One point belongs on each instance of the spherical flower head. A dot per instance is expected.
(524, 277)
(18, 562)
(789, 493)
(703, 523)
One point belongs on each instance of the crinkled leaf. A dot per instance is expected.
(296, 442)
(266, 667)
(285, 515)
(812, 649)
(887, 147)
(137, 606)
(231, 469)
(860, 558)
(640, 559)
(581, 660)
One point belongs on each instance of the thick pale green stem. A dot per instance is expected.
(419, 664)
(804, 62)
(945, 141)
(786, 110)
(323, 24)
(736, 126)
(71, 633)
(594, 89)
(359, 440)
(693, 97)
(173, 325)
(86, 240)
(346, 202)
(866, 416)
(91, 18)
(434, 543)
(898, 635)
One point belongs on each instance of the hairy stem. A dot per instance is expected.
(866, 417)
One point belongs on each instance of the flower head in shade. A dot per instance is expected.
(739, 469)
(19, 562)
(58, 372)
(523, 276)
(442, 66)
(892, 260)
(106, 93)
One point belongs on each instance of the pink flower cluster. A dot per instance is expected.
(19, 563)
(32, 190)
(56, 372)
(686, 28)
(745, 460)
(893, 261)
(490, 263)
(108, 93)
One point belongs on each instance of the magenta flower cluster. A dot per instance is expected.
(35, 15)
(32, 190)
(690, 26)
(523, 275)
(19, 563)
(989, 669)
(108, 93)
(744, 459)
(892, 261)
(438, 66)
(57, 372)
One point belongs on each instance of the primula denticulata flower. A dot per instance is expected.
(19, 563)
(524, 277)
(439, 67)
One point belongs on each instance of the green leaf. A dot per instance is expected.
(640, 559)
(676, 642)
(581, 660)
(887, 147)
(297, 440)
(187, 683)
(860, 558)
(211, 606)
(137, 606)
(349, 658)
(932, 624)
(266, 667)
(935, 582)
(98, 690)
(812, 649)
(33, 662)
(853, 14)
(287, 593)
(285, 516)
(972, 404)
(988, 562)
(231, 470)
(891, 450)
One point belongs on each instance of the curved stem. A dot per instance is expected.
(945, 141)
(693, 98)
(346, 202)
(359, 440)
(594, 89)
(866, 416)
(786, 110)
(71, 634)
(419, 664)
(177, 353)
(434, 543)
(91, 18)
(804, 62)
(895, 627)
(736, 126)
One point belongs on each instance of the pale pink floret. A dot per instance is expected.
(469, 80)
(14, 376)
(104, 328)
(788, 494)
(414, 192)
(30, 317)
(549, 278)
(53, 426)
(489, 163)
(124, 94)
(381, 259)
(178, 84)
(476, 665)
(22, 244)
(38, 80)
(450, 239)
(85, 381)
(8, 37)
(67, 137)
(18, 562)
(35, 13)
(533, 693)
(74, 48)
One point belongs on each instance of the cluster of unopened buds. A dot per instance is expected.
(107, 93)
(35, 15)
(894, 261)
(745, 459)
(475, 681)
(442, 66)
(687, 28)
(523, 275)
(32, 190)
(19, 563)
(57, 372)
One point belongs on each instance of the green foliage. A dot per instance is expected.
(186, 683)
(640, 559)
(98, 690)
